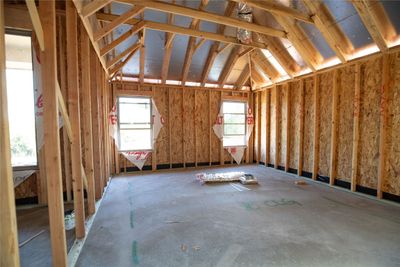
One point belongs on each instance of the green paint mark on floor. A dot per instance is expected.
(132, 218)
(135, 257)
(247, 205)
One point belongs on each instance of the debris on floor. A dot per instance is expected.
(183, 247)
(31, 238)
(195, 248)
(248, 179)
(222, 177)
(300, 182)
(69, 220)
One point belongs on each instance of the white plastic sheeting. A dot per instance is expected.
(138, 158)
(236, 152)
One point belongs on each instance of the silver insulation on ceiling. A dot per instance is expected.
(245, 13)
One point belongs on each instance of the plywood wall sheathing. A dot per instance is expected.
(392, 181)
(345, 122)
(326, 82)
(176, 122)
(189, 126)
(363, 106)
(309, 117)
(215, 142)
(295, 125)
(371, 81)
(301, 129)
(201, 117)
(162, 143)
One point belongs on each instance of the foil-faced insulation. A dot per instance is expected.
(245, 14)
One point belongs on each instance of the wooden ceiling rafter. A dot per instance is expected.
(377, 22)
(152, 25)
(92, 7)
(122, 63)
(330, 30)
(279, 52)
(214, 49)
(206, 16)
(278, 9)
(119, 20)
(299, 40)
(142, 37)
(169, 37)
(243, 78)
(230, 63)
(135, 29)
(121, 55)
(191, 45)
(267, 68)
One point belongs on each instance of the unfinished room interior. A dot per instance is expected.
(199, 133)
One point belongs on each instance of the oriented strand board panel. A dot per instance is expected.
(176, 125)
(294, 124)
(273, 126)
(202, 129)
(371, 81)
(308, 144)
(345, 119)
(162, 143)
(283, 120)
(215, 105)
(326, 84)
(188, 125)
(263, 124)
(392, 183)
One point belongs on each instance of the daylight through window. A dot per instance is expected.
(20, 97)
(234, 123)
(134, 123)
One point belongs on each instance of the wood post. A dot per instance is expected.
(209, 129)
(258, 96)
(63, 85)
(51, 135)
(9, 251)
(268, 128)
(169, 130)
(356, 126)
(316, 128)
(95, 97)
(183, 129)
(335, 127)
(87, 117)
(277, 126)
(195, 129)
(288, 119)
(74, 111)
(301, 130)
(221, 150)
(387, 86)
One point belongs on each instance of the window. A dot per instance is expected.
(134, 123)
(20, 97)
(234, 123)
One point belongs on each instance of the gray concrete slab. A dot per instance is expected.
(169, 219)
(30, 222)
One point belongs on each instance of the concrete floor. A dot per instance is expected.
(169, 219)
(37, 252)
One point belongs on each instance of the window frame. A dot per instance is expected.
(119, 123)
(19, 32)
(245, 123)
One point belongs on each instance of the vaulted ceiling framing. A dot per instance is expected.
(285, 37)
